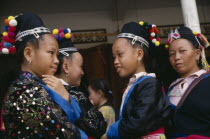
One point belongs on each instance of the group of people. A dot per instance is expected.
(42, 99)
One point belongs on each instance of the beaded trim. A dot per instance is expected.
(134, 37)
(34, 32)
(69, 49)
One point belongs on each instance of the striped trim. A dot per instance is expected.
(34, 32)
(69, 49)
(134, 37)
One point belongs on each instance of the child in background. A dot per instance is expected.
(101, 97)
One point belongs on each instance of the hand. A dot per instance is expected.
(55, 84)
(104, 137)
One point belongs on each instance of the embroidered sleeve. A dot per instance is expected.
(30, 113)
(92, 123)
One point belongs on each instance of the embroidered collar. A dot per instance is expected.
(138, 75)
(28, 75)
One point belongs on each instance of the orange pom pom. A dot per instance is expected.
(6, 21)
(156, 31)
(151, 30)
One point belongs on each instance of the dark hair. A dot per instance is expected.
(149, 55)
(12, 70)
(64, 43)
(103, 85)
(20, 49)
(143, 32)
(195, 46)
(61, 58)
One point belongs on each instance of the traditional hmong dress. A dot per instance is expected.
(32, 110)
(192, 118)
(91, 120)
(144, 110)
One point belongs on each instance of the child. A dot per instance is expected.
(70, 72)
(144, 108)
(101, 97)
(37, 105)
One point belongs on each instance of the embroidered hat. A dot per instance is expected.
(66, 46)
(198, 40)
(63, 36)
(142, 33)
(19, 30)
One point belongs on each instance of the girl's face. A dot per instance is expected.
(94, 96)
(75, 69)
(44, 59)
(125, 58)
(183, 57)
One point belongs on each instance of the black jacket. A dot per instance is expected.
(146, 110)
(91, 120)
(193, 117)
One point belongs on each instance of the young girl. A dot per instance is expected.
(37, 105)
(189, 94)
(101, 97)
(70, 72)
(144, 108)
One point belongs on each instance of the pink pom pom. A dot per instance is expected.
(12, 29)
(12, 50)
(11, 34)
(62, 35)
(158, 38)
(1, 44)
(60, 30)
(167, 42)
(5, 38)
(12, 41)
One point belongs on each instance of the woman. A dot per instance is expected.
(101, 97)
(70, 72)
(189, 94)
(37, 105)
(144, 108)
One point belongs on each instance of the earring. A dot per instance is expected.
(67, 74)
(138, 60)
(29, 62)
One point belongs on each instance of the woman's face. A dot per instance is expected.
(94, 96)
(44, 59)
(75, 69)
(183, 57)
(125, 58)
